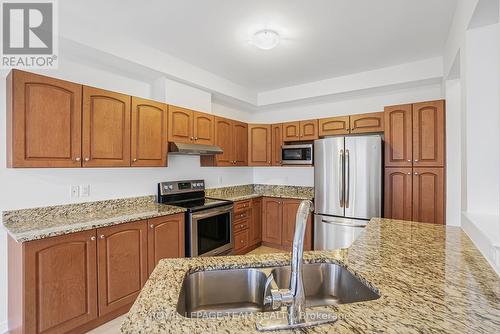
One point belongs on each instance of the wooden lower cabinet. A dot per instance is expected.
(416, 194)
(255, 230)
(165, 239)
(398, 193)
(428, 195)
(122, 264)
(278, 225)
(53, 283)
(78, 281)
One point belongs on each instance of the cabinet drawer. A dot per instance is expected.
(241, 215)
(241, 225)
(240, 240)
(241, 205)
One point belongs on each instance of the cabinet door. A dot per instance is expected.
(106, 128)
(203, 128)
(44, 118)
(277, 142)
(180, 125)
(333, 126)
(149, 133)
(366, 123)
(428, 134)
(224, 139)
(165, 239)
(291, 131)
(290, 208)
(240, 143)
(309, 129)
(398, 193)
(259, 145)
(428, 195)
(255, 230)
(272, 220)
(122, 264)
(398, 136)
(60, 282)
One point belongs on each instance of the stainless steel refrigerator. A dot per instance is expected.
(347, 187)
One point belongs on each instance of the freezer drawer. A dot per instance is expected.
(336, 232)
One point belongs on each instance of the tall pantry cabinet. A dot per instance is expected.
(415, 162)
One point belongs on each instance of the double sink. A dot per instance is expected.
(236, 291)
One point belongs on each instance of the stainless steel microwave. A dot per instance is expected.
(300, 154)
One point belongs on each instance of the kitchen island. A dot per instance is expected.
(430, 279)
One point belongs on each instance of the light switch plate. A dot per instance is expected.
(74, 192)
(85, 190)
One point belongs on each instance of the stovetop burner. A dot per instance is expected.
(188, 194)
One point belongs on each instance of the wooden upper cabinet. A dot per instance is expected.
(122, 264)
(277, 142)
(428, 195)
(291, 131)
(165, 239)
(240, 143)
(106, 128)
(180, 124)
(272, 217)
(224, 139)
(398, 193)
(309, 129)
(429, 134)
(60, 283)
(333, 126)
(43, 121)
(259, 145)
(203, 128)
(149, 133)
(398, 136)
(366, 123)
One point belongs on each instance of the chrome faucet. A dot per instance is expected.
(294, 298)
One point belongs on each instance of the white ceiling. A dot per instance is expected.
(322, 38)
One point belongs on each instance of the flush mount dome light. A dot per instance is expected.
(266, 39)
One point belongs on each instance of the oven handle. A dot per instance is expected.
(212, 212)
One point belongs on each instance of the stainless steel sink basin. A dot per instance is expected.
(221, 291)
(327, 284)
(224, 292)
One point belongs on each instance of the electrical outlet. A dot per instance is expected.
(85, 190)
(74, 192)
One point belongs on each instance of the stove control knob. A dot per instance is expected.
(170, 187)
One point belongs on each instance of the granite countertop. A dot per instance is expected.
(431, 280)
(39, 223)
(243, 192)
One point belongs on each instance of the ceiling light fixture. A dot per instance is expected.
(266, 39)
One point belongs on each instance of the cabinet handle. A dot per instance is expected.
(87, 159)
(92, 238)
(151, 226)
(78, 159)
(192, 138)
(134, 160)
(195, 138)
(416, 160)
(101, 236)
(241, 241)
(242, 225)
(415, 173)
(409, 173)
(409, 160)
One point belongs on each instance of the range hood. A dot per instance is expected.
(194, 149)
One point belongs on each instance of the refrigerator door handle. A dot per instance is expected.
(347, 168)
(341, 183)
(342, 224)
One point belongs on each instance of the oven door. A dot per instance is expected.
(211, 232)
(297, 154)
